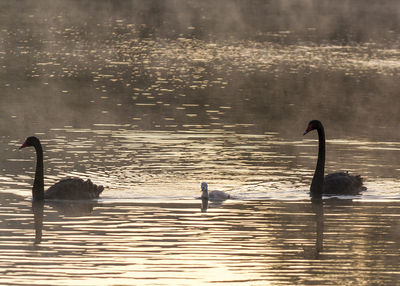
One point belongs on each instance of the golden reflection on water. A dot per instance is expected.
(174, 242)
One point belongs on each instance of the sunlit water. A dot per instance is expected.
(150, 117)
(171, 242)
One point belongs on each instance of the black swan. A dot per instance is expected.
(66, 189)
(213, 195)
(340, 183)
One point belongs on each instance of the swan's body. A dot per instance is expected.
(213, 195)
(66, 189)
(73, 188)
(340, 183)
(343, 183)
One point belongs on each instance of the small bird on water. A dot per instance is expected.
(213, 195)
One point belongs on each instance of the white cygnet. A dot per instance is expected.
(213, 195)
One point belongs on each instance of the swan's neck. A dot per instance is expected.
(317, 183)
(38, 184)
(204, 194)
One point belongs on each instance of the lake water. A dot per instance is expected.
(150, 100)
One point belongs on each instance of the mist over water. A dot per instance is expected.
(158, 61)
(150, 98)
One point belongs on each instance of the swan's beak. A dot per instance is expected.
(23, 146)
(309, 128)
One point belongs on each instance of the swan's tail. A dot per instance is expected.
(94, 190)
(359, 182)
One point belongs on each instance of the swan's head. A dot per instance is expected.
(313, 124)
(30, 141)
(204, 187)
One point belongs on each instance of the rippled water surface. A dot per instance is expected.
(172, 242)
(150, 99)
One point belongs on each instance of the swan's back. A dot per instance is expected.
(74, 189)
(218, 196)
(342, 183)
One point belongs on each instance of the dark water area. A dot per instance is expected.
(150, 98)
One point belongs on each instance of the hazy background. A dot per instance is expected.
(272, 63)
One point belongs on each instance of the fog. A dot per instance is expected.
(317, 21)
(266, 63)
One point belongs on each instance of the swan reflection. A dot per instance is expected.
(37, 209)
(318, 206)
(73, 208)
(204, 205)
(64, 208)
(318, 209)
